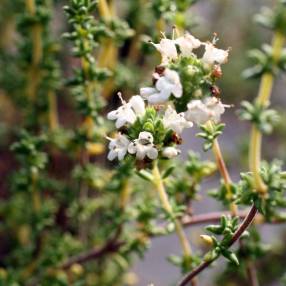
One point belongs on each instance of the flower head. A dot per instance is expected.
(213, 55)
(187, 43)
(201, 111)
(118, 147)
(216, 108)
(169, 83)
(174, 121)
(128, 112)
(197, 112)
(143, 146)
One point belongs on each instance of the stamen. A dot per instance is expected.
(119, 94)
(215, 39)
(163, 35)
(174, 32)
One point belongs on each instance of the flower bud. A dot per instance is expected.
(192, 70)
(170, 152)
(95, 148)
(3, 274)
(77, 269)
(160, 70)
(198, 93)
(207, 239)
(130, 279)
(148, 126)
(177, 139)
(217, 72)
(215, 91)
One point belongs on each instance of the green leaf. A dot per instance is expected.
(145, 175)
(231, 256)
(168, 172)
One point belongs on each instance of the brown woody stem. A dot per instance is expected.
(244, 225)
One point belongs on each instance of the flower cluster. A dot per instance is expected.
(144, 131)
(154, 130)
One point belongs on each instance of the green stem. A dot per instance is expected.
(225, 175)
(158, 182)
(53, 111)
(37, 53)
(263, 98)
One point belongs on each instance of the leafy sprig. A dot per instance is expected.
(259, 115)
(209, 133)
(226, 229)
(273, 178)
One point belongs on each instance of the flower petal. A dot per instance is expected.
(112, 115)
(177, 90)
(159, 97)
(137, 104)
(147, 91)
(111, 155)
(132, 148)
(152, 153)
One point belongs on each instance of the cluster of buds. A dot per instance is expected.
(183, 92)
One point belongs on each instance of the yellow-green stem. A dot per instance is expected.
(125, 194)
(161, 25)
(31, 6)
(88, 88)
(37, 44)
(89, 125)
(108, 55)
(263, 98)
(37, 53)
(53, 112)
(158, 182)
(104, 9)
(36, 199)
(112, 7)
(33, 81)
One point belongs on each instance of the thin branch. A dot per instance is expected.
(111, 246)
(208, 218)
(93, 254)
(252, 275)
(244, 225)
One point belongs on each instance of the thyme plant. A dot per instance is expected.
(94, 172)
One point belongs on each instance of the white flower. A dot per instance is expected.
(168, 50)
(118, 147)
(169, 83)
(197, 112)
(170, 152)
(128, 112)
(215, 107)
(213, 55)
(187, 43)
(174, 121)
(202, 111)
(143, 146)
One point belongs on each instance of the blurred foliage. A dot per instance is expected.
(60, 199)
